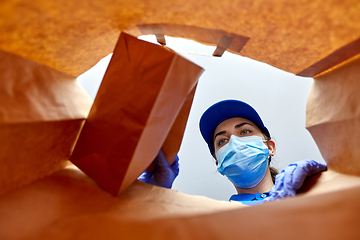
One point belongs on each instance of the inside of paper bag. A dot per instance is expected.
(68, 37)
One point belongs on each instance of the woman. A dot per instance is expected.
(242, 147)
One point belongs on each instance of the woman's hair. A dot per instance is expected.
(273, 171)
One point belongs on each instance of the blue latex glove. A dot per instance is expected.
(164, 175)
(289, 180)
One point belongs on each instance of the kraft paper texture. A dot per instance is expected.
(72, 36)
(41, 113)
(333, 116)
(45, 45)
(140, 97)
(69, 205)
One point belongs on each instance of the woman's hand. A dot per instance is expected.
(289, 180)
(164, 175)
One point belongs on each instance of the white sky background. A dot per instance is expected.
(279, 97)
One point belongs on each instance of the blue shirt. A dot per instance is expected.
(249, 198)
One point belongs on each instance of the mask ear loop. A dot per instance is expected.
(266, 142)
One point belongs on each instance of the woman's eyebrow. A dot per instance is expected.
(242, 124)
(236, 126)
(219, 133)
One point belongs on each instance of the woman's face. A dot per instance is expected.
(237, 126)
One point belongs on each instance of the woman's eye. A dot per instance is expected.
(244, 132)
(222, 142)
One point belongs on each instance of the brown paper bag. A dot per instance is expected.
(41, 114)
(333, 116)
(172, 143)
(141, 95)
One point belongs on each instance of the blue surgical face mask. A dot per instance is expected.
(243, 160)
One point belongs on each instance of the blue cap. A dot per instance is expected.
(223, 110)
